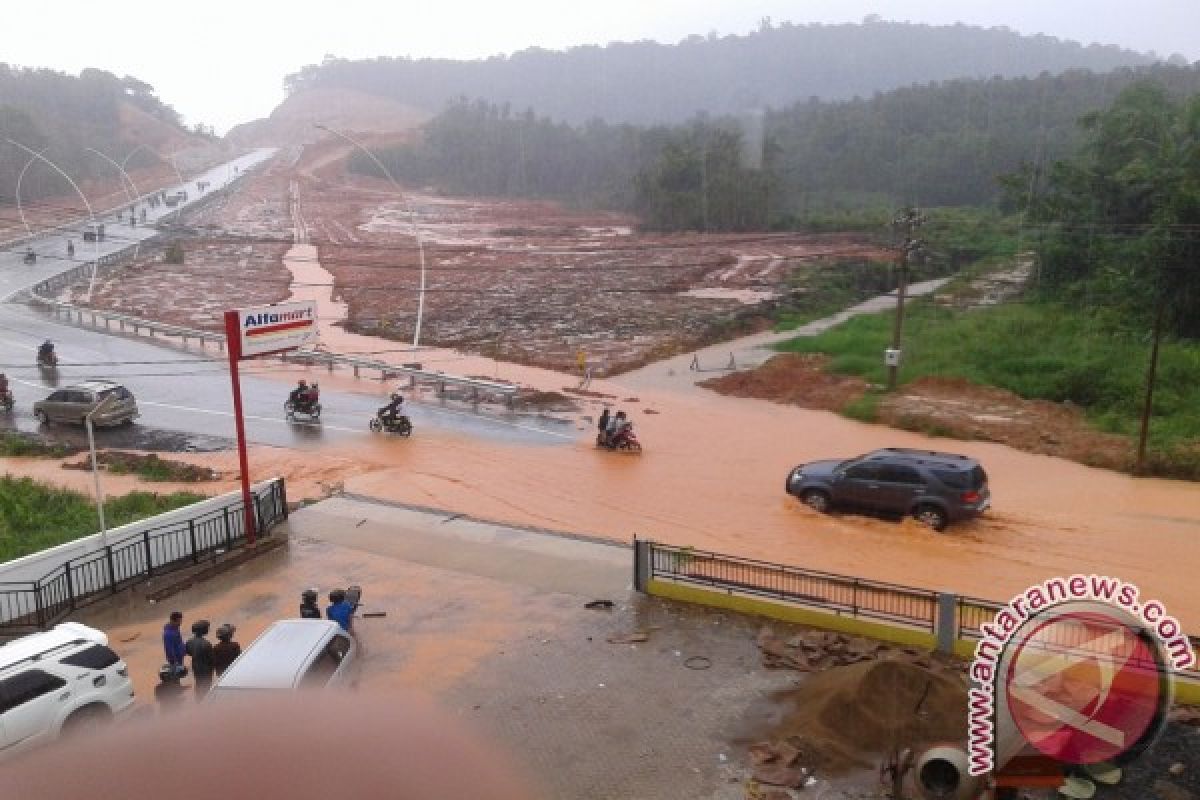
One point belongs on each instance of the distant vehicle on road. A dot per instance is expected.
(93, 232)
(290, 654)
(73, 403)
(935, 488)
(61, 682)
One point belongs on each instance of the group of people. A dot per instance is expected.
(611, 426)
(340, 610)
(305, 396)
(207, 660)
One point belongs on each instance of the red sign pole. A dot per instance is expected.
(233, 343)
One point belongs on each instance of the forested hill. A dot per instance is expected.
(42, 108)
(647, 82)
(942, 144)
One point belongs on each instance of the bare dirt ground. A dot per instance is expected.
(948, 407)
(240, 263)
(533, 282)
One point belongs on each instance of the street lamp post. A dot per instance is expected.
(87, 419)
(137, 245)
(87, 205)
(20, 178)
(411, 221)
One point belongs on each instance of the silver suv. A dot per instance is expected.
(936, 488)
(74, 403)
(62, 681)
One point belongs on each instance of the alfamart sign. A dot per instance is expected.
(269, 329)
(1079, 668)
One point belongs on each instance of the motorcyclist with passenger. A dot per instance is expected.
(46, 353)
(393, 411)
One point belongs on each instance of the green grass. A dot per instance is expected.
(19, 444)
(1037, 350)
(34, 516)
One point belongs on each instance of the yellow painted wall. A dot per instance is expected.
(1187, 691)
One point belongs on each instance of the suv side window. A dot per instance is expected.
(81, 397)
(322, 669)
(28, 685)
(95, 657)
(57, 397)
(864, 471)
(898, 473)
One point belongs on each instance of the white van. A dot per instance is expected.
(60, 681)
(290, 654)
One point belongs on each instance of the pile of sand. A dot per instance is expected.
(849, 716)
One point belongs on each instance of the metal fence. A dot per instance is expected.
(39, 604)
(842, 594)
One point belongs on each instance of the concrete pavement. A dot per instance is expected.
(489, 621)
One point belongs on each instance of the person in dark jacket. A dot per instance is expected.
(339, 610)
(602, 423)
(308, 605)
(173, 640)
(225, 650)
(201, 651)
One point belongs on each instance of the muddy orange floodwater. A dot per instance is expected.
(712, 476)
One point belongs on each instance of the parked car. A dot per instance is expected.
(75, 402)
(290, 654)
(936, 488)
(64, 681)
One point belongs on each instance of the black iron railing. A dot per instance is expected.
(78, 582)
(842, 594)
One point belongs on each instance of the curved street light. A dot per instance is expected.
(411, 221)
(21, 177)
(87, 205)
(121, 169)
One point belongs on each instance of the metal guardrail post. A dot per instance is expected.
(946, 621)
(192, 538)
(112, 572)
(854, 598)
(149, 555)
(70, 584)
(228, 528)
(37, 598)
(641, 563)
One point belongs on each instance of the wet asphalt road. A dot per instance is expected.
(189, 392)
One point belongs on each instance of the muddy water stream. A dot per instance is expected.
(712, 477)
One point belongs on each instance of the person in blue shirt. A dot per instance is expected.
(173, 640)
(339, 610)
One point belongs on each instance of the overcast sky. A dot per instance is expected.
(222, 62)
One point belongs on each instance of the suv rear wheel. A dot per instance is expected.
(815, 499)
(41, 417)
(932, 516)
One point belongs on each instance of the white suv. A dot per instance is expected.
(58, 682)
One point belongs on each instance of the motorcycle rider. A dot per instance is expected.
(70, 249)
(602, 423)
(308, 605)
(393, 411)
(614, 427)
(46, 353)
(30, 256)
(296, 398)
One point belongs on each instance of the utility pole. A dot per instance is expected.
(913, 249)
(1148, 403)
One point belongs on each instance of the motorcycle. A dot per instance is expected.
(401, 425)
(624, 440)
(310, 409)
(30, 257)
(6, 400)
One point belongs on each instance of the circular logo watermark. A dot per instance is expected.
(1084, 684)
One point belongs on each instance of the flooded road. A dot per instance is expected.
(712, 477)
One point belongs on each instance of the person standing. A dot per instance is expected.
(308, 605)
(339, 610)
(201, 651)
(173, 640)
(225, 650)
